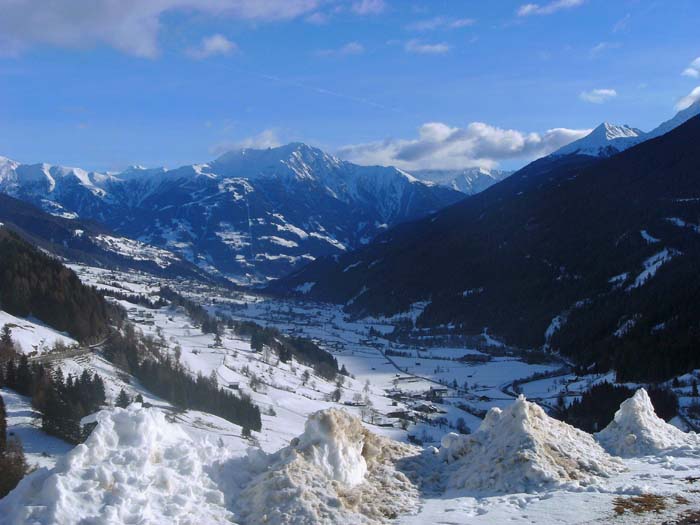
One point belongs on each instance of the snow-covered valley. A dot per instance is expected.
(405, 440)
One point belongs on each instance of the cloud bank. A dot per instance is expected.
(439, 146)
(130, 26)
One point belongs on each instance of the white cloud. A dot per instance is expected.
(351, 48)
(265, 139)
(548, 8)
(212, 45)
(598, 96)
(691, 98)
(368, 7)
(440, 22)
(693, 70)
(439, 146)
(130, 26)
(420, 48)
(601, 47)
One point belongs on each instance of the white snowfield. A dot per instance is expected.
(638, 431)
(31, 335)
(522, 449)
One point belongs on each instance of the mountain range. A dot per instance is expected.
(91, 243)
(593, 257)
(250, 214)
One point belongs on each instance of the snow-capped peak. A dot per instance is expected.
(613, 131)
(609, 139)
(605, 140)
(295, 160)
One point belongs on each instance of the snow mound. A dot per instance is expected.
(335, 472)
(636, 430)
(522, 449)
(134, 468)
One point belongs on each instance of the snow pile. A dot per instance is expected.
(522, 449)
(636, 430)
(335, 472)
(134, 468)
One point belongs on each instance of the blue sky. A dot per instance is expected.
(426, 84)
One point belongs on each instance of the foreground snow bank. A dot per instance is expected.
(335, 472)
(134, 468)
(636, 430)
(522, 449)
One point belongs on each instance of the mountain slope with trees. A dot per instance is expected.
(594, 258)
(35, 284)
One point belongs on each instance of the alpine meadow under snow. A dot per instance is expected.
(349, 262)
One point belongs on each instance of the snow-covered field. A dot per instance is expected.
(354, 465)
(33, 336)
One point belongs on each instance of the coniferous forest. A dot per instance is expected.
(34, 284)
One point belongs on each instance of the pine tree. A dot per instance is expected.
(7, 345)
(123, 399)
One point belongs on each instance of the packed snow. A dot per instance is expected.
(335, 472)
(638, 431)
(134, 468)
(522, 449)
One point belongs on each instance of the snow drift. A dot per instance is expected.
(134, 468)
(335, 472)
(522, 449)
(636, 430)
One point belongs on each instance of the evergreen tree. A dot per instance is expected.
(122, 399)
(11, 374)
(7, 345)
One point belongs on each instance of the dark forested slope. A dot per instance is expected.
(609, 247)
